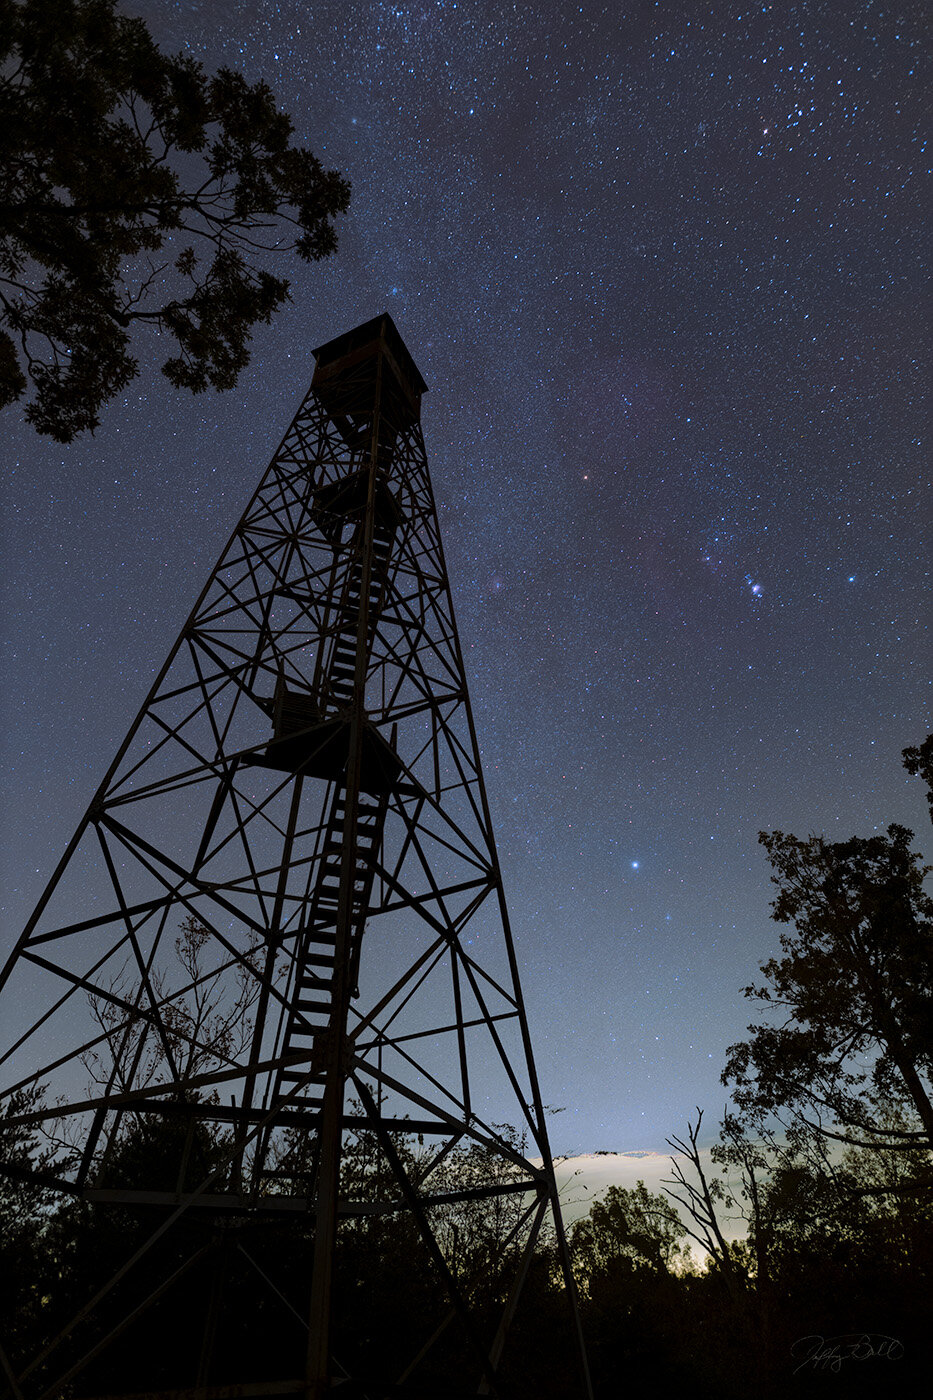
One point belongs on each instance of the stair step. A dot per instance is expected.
(307, 975)
(364, 854)
(312, 982)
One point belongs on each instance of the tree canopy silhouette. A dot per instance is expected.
(627, 1231)
(854, 990)
(919, 763)
(134, 188)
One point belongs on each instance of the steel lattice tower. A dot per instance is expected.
(301, 796)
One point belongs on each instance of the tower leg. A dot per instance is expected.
(325, 1241)
(219, 1261)
(301, 796)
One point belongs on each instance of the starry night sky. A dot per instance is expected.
(660, 265)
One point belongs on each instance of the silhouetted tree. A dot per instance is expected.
(112, 153)
(919, 763)
(630, 1230)
(854, 990)
(25, 1201)
(205, 1006)
(629, 1257)
(830, 1238)
(704, 1198)
(480, 1239)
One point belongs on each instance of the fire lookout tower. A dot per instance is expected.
(272, 982)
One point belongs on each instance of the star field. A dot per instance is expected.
(661, 266)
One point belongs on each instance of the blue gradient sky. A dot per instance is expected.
(660, 266)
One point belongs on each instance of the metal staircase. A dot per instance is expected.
(304, 768)
(299, 1084)
(310, 1002)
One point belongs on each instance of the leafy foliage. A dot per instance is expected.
(854, 987)
(478, 1236)
(919, 763)
(843, 1052)
(112, 153)
(25, 1157)
(834, 1240)
(628, 1231)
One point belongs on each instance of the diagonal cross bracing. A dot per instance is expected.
(283, 910)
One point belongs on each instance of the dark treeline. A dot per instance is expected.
(792, 1257)
(831, 1267)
